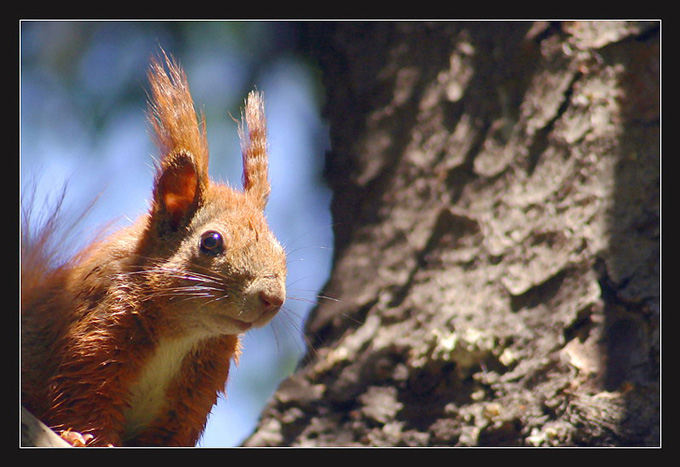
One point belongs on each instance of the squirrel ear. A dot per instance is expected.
(178, 190)
(182, 175)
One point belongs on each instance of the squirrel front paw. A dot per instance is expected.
(76, 439)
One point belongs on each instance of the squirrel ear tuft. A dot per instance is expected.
(172, 114)
(253, 135)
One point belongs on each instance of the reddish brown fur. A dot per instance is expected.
(91, 325)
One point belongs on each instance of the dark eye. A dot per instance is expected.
(212, 242)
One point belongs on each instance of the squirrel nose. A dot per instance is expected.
(270, 302)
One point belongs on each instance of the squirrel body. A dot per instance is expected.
(130, 341)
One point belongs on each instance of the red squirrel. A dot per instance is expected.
(129, 343)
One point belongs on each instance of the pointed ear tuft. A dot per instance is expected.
(172, 114)
(253, 135)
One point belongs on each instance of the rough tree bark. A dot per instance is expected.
(496, 208)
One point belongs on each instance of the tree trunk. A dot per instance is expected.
(496, 209)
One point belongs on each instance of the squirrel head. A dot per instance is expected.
(207, 253)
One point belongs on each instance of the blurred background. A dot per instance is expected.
(83, 123)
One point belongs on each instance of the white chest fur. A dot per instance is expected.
(148, 394)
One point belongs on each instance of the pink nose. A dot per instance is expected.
(271, 302)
